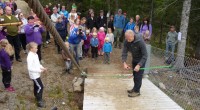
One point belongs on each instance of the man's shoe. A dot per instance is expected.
(133, 94)
(130, 91)
(41, 104)
(19, 60)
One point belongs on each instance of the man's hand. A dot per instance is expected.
(127, 67)
(137, 68)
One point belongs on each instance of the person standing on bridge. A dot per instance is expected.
(136, 46)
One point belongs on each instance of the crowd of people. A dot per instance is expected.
(81, 34)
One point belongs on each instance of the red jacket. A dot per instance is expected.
(48, 11)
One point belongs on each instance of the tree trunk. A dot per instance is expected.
(151, 13)
(183, 30)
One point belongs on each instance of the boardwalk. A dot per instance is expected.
(105, 89)
(110, 94)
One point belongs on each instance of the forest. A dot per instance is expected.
(162, 14)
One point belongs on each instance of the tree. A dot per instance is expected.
(183, 29)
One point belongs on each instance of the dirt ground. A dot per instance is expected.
(58, 85)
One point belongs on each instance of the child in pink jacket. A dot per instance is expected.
(101, 36)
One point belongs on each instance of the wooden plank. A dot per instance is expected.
(110, 94)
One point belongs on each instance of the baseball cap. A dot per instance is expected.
(30, 17)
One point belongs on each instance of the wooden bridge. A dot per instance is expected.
(106, 89)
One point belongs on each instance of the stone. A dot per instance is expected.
(161, 85)
(77, 86)
(3, 97)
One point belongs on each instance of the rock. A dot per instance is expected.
(74, 80)
(3, 97)
(77, 86)
(161, 85)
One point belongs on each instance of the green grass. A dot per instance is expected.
(56, 92)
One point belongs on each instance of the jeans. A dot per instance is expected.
(74, 49)
(117, 35)
(80, 49)
(170, 47)
(107, 57)
(68, 64)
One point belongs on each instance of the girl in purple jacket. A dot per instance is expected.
(6, 51)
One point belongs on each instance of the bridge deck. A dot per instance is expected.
(110, 94)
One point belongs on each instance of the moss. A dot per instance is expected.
(56, 92)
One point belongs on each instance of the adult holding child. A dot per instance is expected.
(146, 29)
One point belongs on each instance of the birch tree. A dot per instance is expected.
(183, 30)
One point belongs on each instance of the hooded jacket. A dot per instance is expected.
(138, 50)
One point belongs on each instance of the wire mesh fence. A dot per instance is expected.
(181, 81)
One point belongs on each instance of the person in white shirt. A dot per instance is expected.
(55, 15)
(22, 34)
(35, 69)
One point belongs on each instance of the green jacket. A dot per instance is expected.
(172, 37)
(11, 30)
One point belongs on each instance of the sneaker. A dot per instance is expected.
(19, 60)
(41, 104)
(10, 89)
(130, 91)
(133, 94)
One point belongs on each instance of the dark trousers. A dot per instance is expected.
(6, 77)
(137, 78)
(38, 89)
(23, 40)
(39, 52)
(58, 47)
(48, 36)
(15, 41)
(85, 52)
(94, 51)
(107, 57)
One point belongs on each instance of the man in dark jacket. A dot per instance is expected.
(136, 46)
(101, 20)
(91, 21)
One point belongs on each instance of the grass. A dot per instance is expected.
(71, 102)
(56, 92)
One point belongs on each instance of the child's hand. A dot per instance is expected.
(43, 69)
(5, 30)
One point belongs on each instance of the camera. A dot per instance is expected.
(80, 32)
